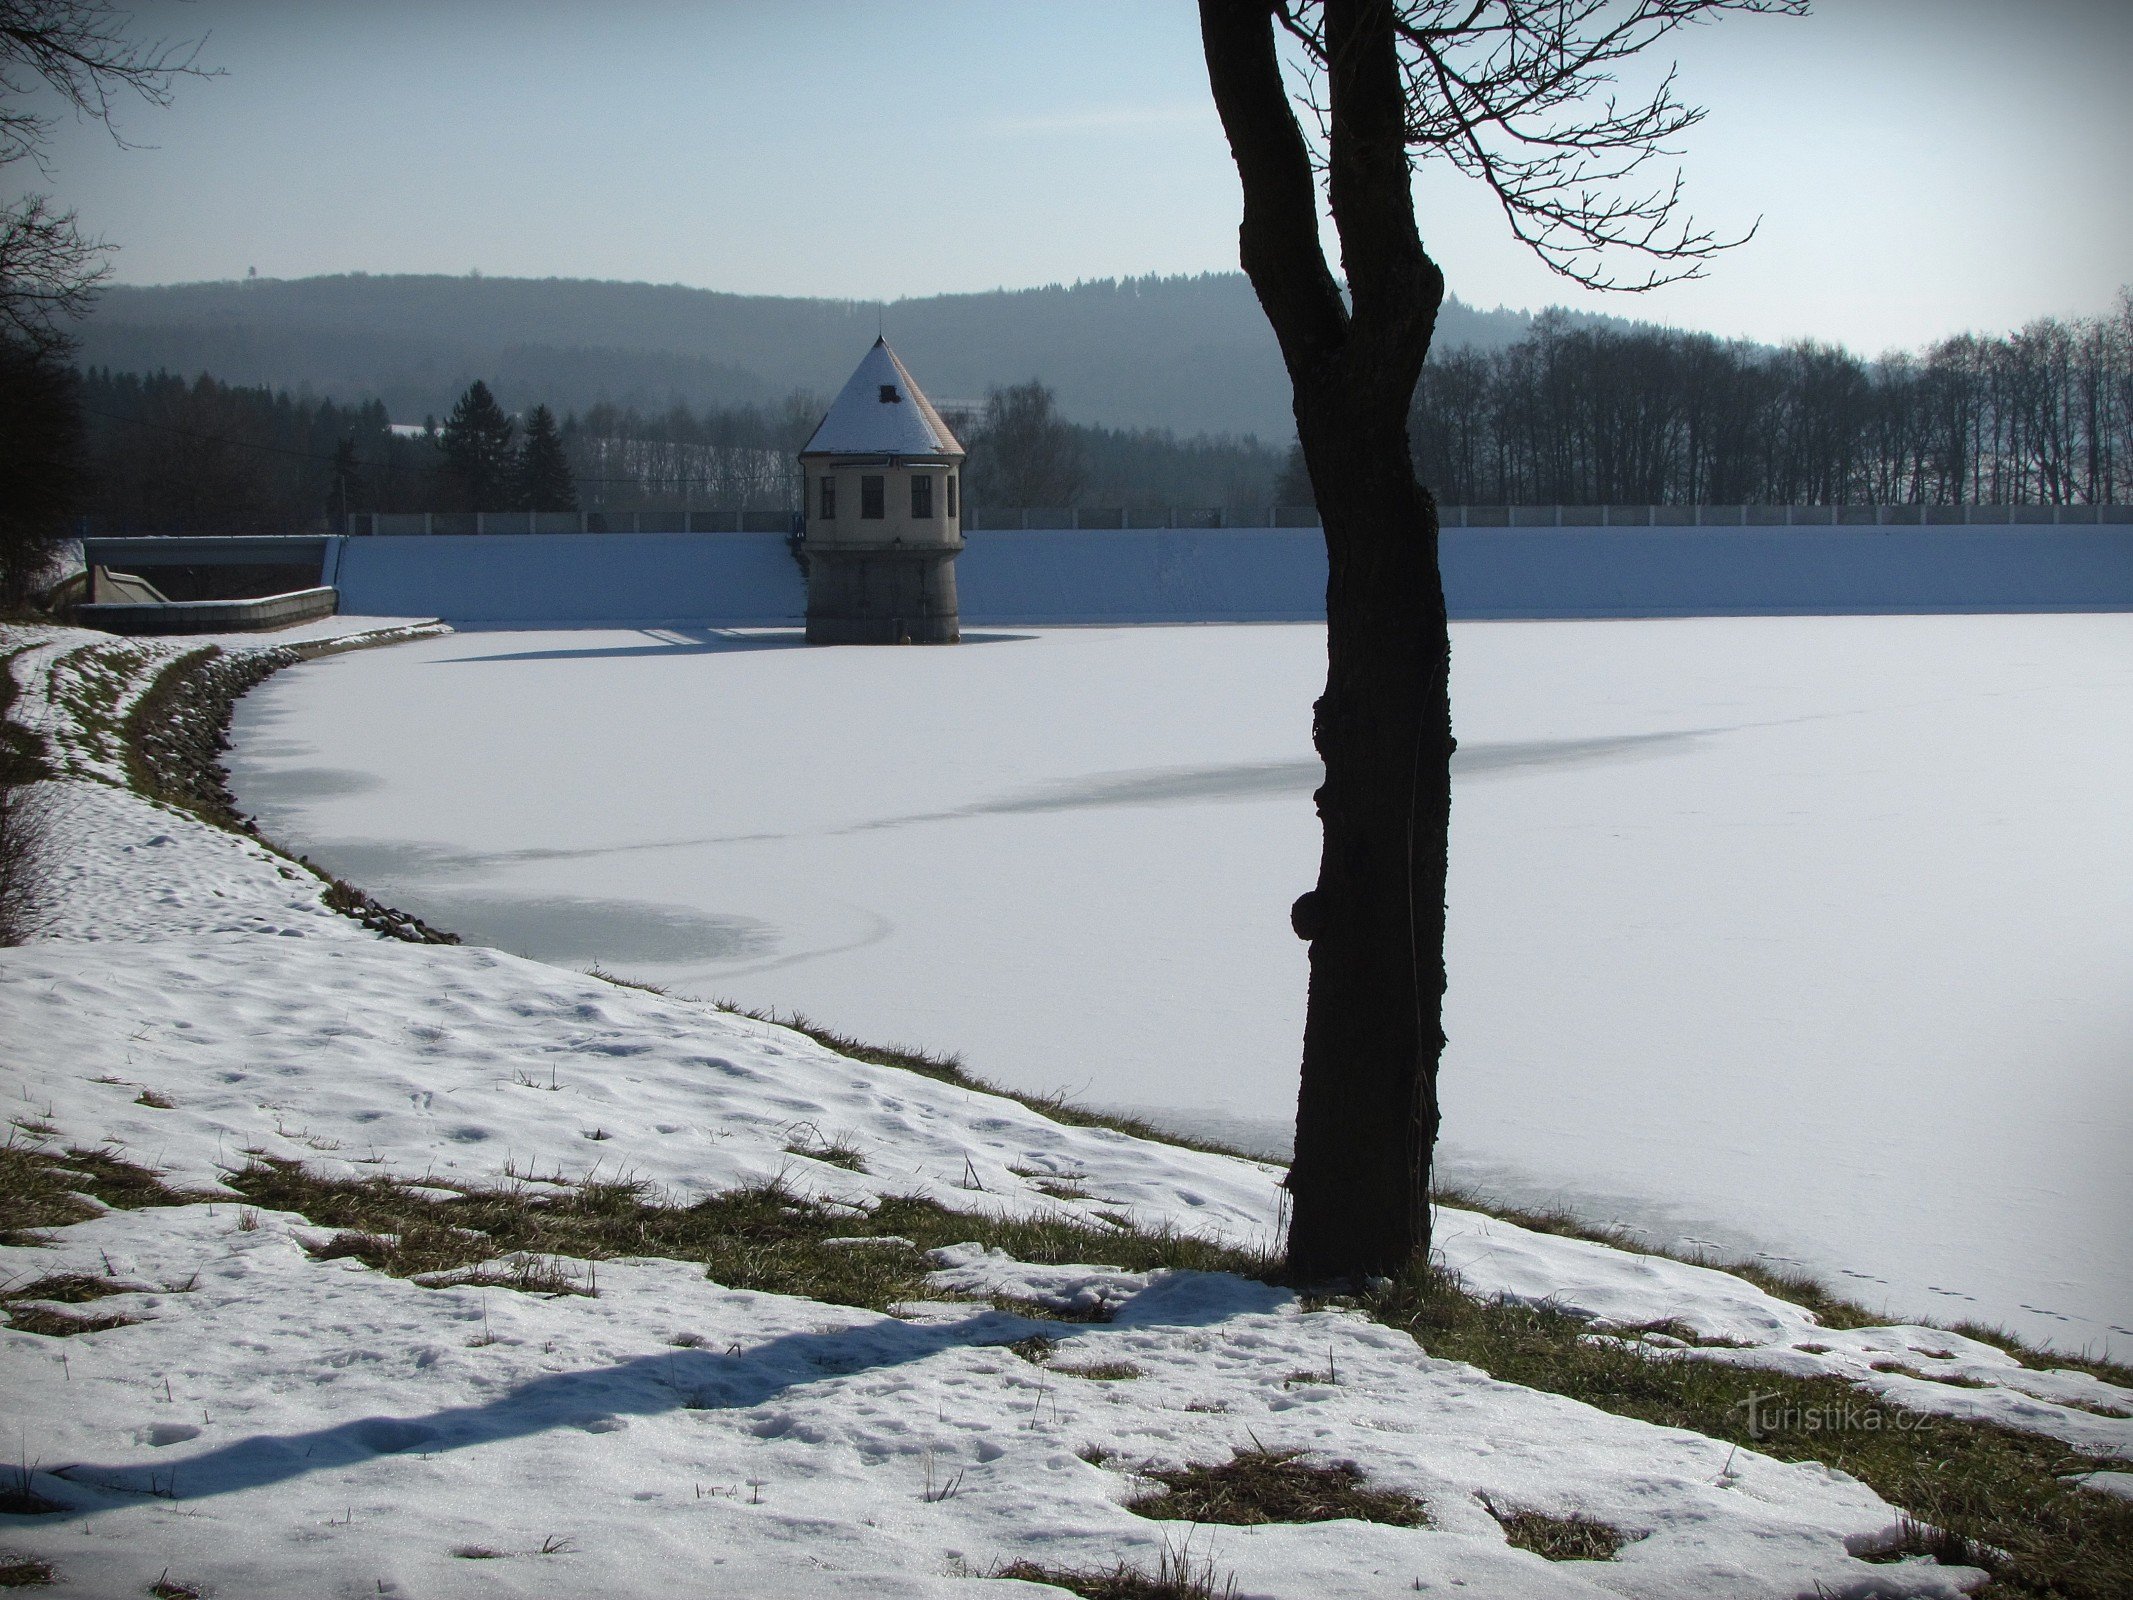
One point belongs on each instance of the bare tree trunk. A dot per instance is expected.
(1366, 1121)
(1367, 1110)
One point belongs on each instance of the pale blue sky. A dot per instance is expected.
(1920, 166)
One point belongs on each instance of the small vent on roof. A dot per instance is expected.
(889, 396)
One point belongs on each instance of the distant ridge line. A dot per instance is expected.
(1191, 354)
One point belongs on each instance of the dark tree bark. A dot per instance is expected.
(1373, 1033)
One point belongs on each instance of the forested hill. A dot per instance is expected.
(1189, 354)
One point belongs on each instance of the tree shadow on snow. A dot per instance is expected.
(596, 1400)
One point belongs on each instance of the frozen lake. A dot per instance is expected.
(1810, 936)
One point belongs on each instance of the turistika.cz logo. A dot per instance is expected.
(1772, 1413)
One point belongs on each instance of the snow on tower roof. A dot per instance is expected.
(881, 412)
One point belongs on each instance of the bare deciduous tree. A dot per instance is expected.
(1522, 97)
(76, 52)
(1023, 453)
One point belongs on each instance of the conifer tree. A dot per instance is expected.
(40, 464)
(544, 480)
(479, 462)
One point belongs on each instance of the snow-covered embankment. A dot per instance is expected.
(278, 1422)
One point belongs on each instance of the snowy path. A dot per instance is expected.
(1850, 898)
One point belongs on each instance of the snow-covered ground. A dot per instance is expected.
(283, 1424)
(1812, 936)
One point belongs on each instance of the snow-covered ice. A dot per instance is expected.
(1811, 936)
(280, 1423)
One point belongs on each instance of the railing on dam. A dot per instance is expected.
(991, 519)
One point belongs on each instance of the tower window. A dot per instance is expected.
(889, 396)
(922, 496)
(951, 494)
(870, 496)
(829, 500)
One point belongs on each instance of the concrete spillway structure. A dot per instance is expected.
(882, 476)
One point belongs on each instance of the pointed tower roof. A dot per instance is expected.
(881, 412)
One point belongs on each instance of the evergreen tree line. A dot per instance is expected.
(1572, 414)
(165, 455)
(1591, 416)
(169, 455)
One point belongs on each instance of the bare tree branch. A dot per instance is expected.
(78, 50)
(1522, 96)
(48, 272)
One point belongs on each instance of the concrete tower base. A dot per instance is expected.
(881, 597)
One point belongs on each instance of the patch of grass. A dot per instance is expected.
(1308, 1378)
(67, 1288)
(1997, 1489)
(25, 851)
(1057, 1190)
(2029, 1355)
(2115, 1413)
(927, 1063)
(1257, 1486)
(24, 822)
(169, 1588)
(19, 1496)
(121, 1184)
(1087, 1311)
(91, 685)
(1915, 1539)
(1099, 1371)
(528, 1273)
(810, 1142)
(765, 1237)
(1576, 1537)
(1990, 1486)
(148, 1097)
(22, 750)
(33, 1308)
(178, 728)
(56, 1324)
(1801, 1288)
(1177, 1576)
(1037, 1349)
(477, 1552)
(41, 1189)
(25, 1572)
(620, 982)
(1952, 1379)
(949, 1068)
